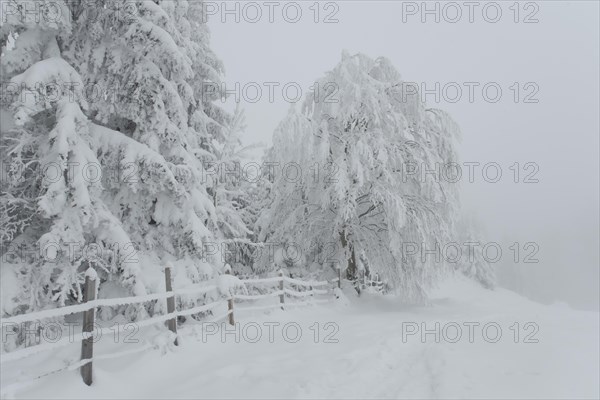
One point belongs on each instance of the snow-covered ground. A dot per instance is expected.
(366, 351)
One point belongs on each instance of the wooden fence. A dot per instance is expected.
(91, 303)
(363, 281)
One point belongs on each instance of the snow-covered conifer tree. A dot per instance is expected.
(50, 209)
(122, 105)
(155, 122)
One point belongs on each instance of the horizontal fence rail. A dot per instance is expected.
(77, 308)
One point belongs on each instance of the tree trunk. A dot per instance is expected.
(351, 269)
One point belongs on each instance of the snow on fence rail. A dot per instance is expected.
(90, 304)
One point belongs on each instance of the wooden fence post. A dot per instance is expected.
(87, 345)
(364, 280)
(281, 288)
(230, 304)
(171, 323)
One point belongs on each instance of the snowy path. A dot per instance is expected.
(371, 360)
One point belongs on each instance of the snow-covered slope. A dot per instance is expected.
(365, 350)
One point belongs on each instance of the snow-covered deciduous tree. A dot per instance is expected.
(472, 261)
(357, 142)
